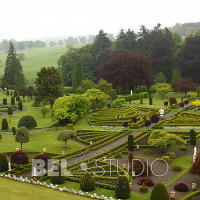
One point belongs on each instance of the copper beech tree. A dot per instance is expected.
(126, 69)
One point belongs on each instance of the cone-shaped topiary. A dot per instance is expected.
(58, 179)
(4, 101)
(10, 111)
(12, 100)
(27, 121)
(3, 163)
(193, 139)
(18, 98)
(19, 157)
(4, 124)
(122, 188)
(159, 192)
(20, 106)
(130, 143)
(87, 182)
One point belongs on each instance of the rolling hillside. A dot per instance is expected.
(37, 58)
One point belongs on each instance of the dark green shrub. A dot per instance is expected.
(10, 111)
(3, 163)
(27, 121)
(15, 93)
(19, 157)
(14, 130)
(4, 124)
(193, 139)
(87, 182)
(143, 189)
(130, 142)
(57, 180)
(20, 106)
(18, 98)
(7, 92)
(122, 188)
(12, 100)
(4, 101)
(159, 192)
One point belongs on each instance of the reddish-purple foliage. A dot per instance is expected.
(155, 118)
(186, 102)
(146, 181)
(19, 157)
(196, 166)
(126, 69)
(182, 104)
(147, 123)
(185, 85)
(181, 187)
(43, 157)
(125, 124)
(172, 101)
(134, 119)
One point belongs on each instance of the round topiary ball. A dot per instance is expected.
(3, 163)
(19, 157)
(28, 121)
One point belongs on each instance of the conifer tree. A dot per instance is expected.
(13, 66)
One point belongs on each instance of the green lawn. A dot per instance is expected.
(13, 190)
(33, 111)
(38, 141)
(37, 58)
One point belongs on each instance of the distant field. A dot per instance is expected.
(37, 58)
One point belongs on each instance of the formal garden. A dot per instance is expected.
(113, 121)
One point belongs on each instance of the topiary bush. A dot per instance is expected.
(122, 188)
(155, 118)
(10, 111)
(181, 187)
(43, 157)
(143, 189)
(145, 181)
(12, 100)
(57, 180)
(166, 103)
(125, 124)
(19, 157)
(18, 98)
(87, 182)
(147, 123)
(28, 121)
(3, 163)
(172, 101)
(193, 139)
(4, 124)
(159, 192)
(14, 130)
(20, 106)
(4, 101)
(134, 119)
(130, 143)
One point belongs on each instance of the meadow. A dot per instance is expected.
(35, 59)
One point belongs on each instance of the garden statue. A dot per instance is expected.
(9, 167)
(161, 111)
(195, 154)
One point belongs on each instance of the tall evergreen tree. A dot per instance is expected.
(13, 66)
(48, 85)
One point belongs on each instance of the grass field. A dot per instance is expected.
(37, 58)
(38, 141)
(13, 190)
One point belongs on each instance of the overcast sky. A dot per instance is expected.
(29, 19)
